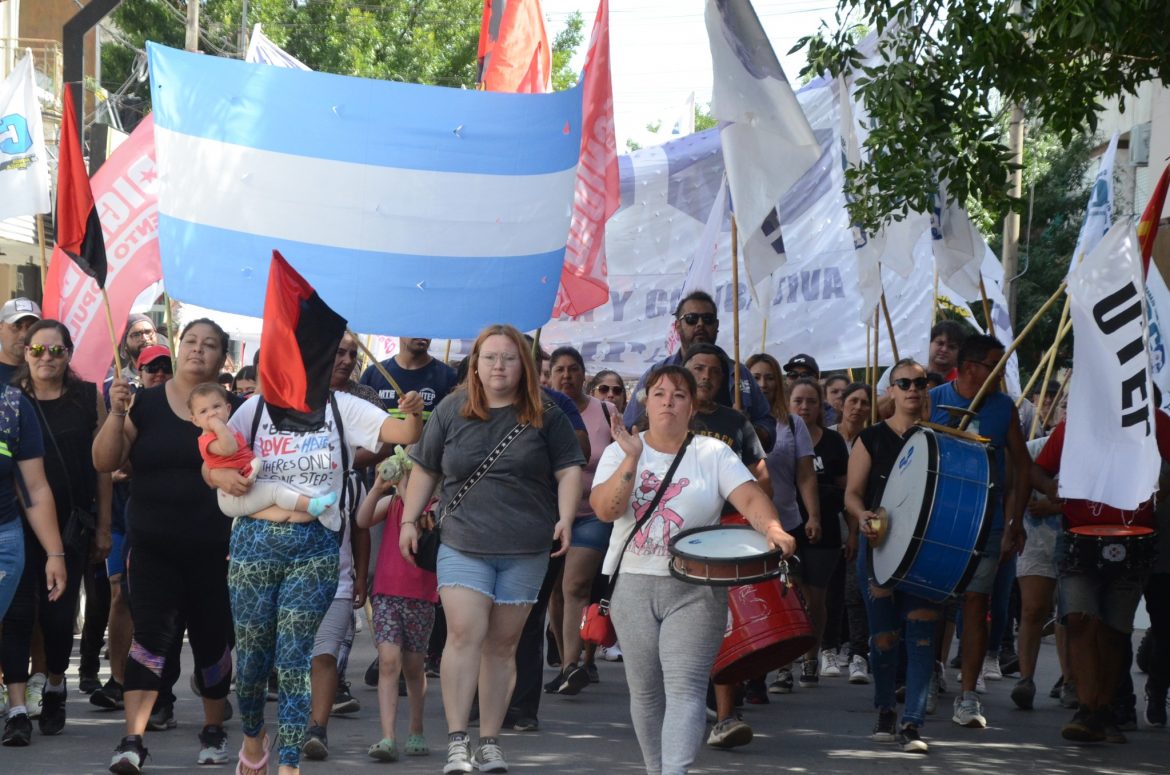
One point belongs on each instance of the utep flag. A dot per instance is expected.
(1111, 402)
(1099, 211)
(24, 168)
(767, 141)
(125, 190)
(598, 194)
(79, 232)
(299, 341)
(514, 53)
(414, 209)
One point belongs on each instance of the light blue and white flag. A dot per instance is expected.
(413, 210)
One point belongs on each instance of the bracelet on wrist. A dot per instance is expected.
(408, 521)
(55, 554)
(118, 414)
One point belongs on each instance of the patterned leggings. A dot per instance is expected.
(282, 578)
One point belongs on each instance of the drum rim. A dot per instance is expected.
(923, 524)
(676, 552)
(1139, 531)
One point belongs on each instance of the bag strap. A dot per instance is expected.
(646, 515)
(481, 470)
(48, 431)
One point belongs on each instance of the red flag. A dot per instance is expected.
(125, 189)
(598, 194)
(514, 54)
(1148, 226)
(299, 342)
(79, 232)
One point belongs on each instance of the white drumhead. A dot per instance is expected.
(723, 544)
(903, 498)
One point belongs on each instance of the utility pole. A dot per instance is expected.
(243, 43)
(1011, 224)
(192, 42)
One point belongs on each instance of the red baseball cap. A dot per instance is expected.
(152, 353)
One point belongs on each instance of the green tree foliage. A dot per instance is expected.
(564, 47)
(947, 70)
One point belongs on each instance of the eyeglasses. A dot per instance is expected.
(691, 318)
(161, 366)
(795, 375)
(988, 366)
(905, 382)
(54, 350)
(142, 334)
(493, 358)
(607, 390)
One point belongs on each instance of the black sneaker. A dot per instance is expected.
(129, 756)
(886, 728)
(808, 674)
(52, 718)
(594, 676)
(371, 676)
(1155, 706)
(432, 668)
(553, 686)
(575, 679)
(1084, 727)
(1111, 727)
(88, 683)
(1125, 714)
(17, 731)
(109, 697)
(1054, 693)
(316, 745)
(162, 717)
(344, 703)
(911, 741)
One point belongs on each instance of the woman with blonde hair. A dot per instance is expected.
(509, 472)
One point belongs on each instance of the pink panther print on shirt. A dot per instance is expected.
(654, 536)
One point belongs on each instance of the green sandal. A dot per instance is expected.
(416, 745)
(384, 750)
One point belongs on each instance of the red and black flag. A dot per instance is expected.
(298, 344)
(79, 232)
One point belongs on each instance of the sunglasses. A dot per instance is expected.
(54, 350)
(157, 367)
(905, 382)
(691, 318)
(606, 390)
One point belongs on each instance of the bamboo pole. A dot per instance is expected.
(44, 259)
(890, 328)
(868, 355)
(735, 311)
(1049, 353)
(877, 335)
(447, 352)
(113, 334)
(993, 377)
(934, 301)
(377, 364)
(986, 307)
(169, 323)
(1061, 392)
(1051, 364)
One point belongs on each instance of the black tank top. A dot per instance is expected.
(71, 420)
(883, 444)
(169, 501)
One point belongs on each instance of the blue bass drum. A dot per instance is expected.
(938, 497)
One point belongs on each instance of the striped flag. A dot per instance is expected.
(414, 209)
(1147, 228)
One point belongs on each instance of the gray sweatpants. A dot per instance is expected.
(670, 633)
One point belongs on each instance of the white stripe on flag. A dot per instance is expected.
(362, 207)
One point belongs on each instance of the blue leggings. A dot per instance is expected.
(282, 579)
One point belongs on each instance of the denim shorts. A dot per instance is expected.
(984, 579)
(11, 561)
(506, 580)
(591, 533)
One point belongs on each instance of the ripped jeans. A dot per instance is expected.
(11, 561)
(889, 617)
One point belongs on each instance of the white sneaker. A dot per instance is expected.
(34, 693)
(829, 667)
(359, 620)
(969, 712)
(489, 758)
(858, 670)
(991, 669)
(458, 756)
(613, 653)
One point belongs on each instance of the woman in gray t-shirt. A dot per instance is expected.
(496, 541)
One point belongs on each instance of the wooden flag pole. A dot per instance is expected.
(376, 363)
(447, 353)
(735, 311)
(934, 301)
(877, 335)
(44, 259)
(868, 354)
(986, 307)
(169, 323)
(113, 334)
(993, 377)
(1056, 399)
(1048, 354)
(890, 328)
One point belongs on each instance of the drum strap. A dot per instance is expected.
(646, 515)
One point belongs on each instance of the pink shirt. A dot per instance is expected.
(599, 438)
(394, 575)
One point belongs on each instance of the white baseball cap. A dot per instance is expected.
(18, 309)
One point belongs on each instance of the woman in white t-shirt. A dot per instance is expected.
(670, 630)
